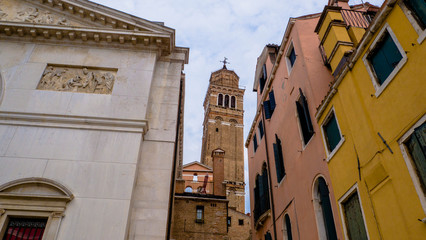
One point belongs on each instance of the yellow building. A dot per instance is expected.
(373, 118)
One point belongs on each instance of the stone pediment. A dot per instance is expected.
(81, 21)
(35, 187)
(196, 166)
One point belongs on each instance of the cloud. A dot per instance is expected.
(237, 29)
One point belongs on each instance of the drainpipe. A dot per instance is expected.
(271, 195)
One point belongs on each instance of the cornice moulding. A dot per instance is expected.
(76, 122)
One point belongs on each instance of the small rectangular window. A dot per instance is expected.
(419, 9)
(290, 57)
(331, 132)
(240, 222)
(25, 228)
(353, 218)
(262, 79)
(279, 160)
(304, 118)
(200, 214)
(260, 127)
(229, 221)
(254, 142)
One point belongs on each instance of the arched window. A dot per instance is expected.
(287, 228)
(233, 102)
(220, 99)
(323, 211)
(226, 100)
(188, 189)
(195, 178)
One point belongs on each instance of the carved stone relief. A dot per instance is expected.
(18, 12)
(77, 79)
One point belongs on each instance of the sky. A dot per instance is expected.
(214, 29)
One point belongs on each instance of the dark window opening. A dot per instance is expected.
(240, 222)
(269, 105)
(200, 214)
(304, 118)
(233, 102)
(419, 9)
(288, 227)
(327, 212)
(332, 133)
(261, 194)
(217, 129)
(279, 160)
(220, 99)
(262, 79)
(226, 100)
(353, 218)
(416, 146)
(260, 127)
(25, 228)
(292, 57)
(254, 142)
(268, 236)
(384, 57)
(229, 221)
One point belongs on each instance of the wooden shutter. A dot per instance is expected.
(279, 161)
(327, 212)
(416, 145)
(272, 101)
(260, 126)
(385, 58)
(254, 142)
(267, 108)
(332, 133)
(353, 218)
(306, 111)
(288, 227)
(419, 8)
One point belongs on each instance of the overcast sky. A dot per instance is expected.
(214, 29)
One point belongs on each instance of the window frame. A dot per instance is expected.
(220, 99)
(409, 162)
(329, 153)
(354, 189)
(233, 100)
(26, 204)
(287, 57)
(413, 20)
(380, 87)
(197, 208)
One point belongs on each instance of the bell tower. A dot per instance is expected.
(223, 128)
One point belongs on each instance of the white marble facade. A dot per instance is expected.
(113, 151)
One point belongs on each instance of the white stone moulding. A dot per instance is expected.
(76, 122)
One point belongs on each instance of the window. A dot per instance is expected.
(331, 132)
(384, 59)
(240, 222)
(254, 142)
(268, 236)
(269, 105)
(229, 221)
(413, 146)
(25, 228)
(220, 99)
(260, 127)
(419, 9)
(188, 189)
(323, 210)
(200, 214)
(262, 79)
(226, 100)
(21, 220)
(290, 57)
(304, 118)
(233, 102)
(353, 217)
(279, 160)
(261, 194)
(287, 228)
(195, 178)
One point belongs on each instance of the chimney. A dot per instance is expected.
(218, 172)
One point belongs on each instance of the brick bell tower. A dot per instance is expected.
(223, 128)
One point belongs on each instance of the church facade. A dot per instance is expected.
(91, 115)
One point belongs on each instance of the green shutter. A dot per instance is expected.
(419, 8)
(417, 148)
(353, 218)
(332, 133)
(267, 108)
(385, 58)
